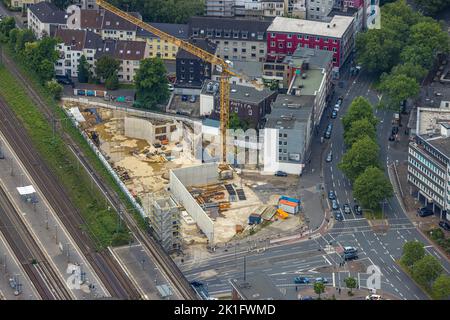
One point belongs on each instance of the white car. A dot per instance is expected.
(373, 297)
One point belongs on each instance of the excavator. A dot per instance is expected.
(222, 66)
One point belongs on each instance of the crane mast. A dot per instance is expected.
(221, 65)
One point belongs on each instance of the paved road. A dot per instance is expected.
(282, 263)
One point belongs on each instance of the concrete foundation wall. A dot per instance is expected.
(139, 129)
(180, 179)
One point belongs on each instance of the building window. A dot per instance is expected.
(289, 45)
(272, 43)
(334, 50)
(317, 38)
(289, 36)
(306, 37)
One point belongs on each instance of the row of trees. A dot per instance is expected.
(360, 163)
(425, 269)
(402, 51)
(39, 56)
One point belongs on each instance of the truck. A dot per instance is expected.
(396, 119)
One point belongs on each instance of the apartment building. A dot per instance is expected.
(191, 71)
(429, 159)
(24, 4)
(255, 8)
(318, 9)
(75, 43)
(248, 103)
(44, 18)
(285, 35)
(235, 38)
(287, 134)
(162, 48)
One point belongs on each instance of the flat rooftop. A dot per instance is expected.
(290, 112)
(311, 83)
(241, 93)
(335, 28)
(315, 58)
(442, 144)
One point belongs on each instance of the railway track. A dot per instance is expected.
(164, 262)
(116, 282)
(45, 279)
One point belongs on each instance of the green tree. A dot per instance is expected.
(112, 82)
(426, 270)
(151, 83)
(19, 38)
(441, 287)
(83, 70)
(371, 187)
(362, 154)
(432, 7)
(413, 251)
(319, 288)
(105, 67)
(46, 70)
(398, 87)
(55, 89)
(6, 25)
(378, 51)
(350, 283)
(359, 129)
(359, 108)
(411, 70)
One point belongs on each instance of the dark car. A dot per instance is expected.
(391, 137)
(281, 174)
(357, 209)
(301, 280)
(394, 130)
(425, 212)
(334, 204)
(331, 195)
(327, 134)
(184, 98)
(2, 156)
(338, 216)
(350, 256)
(307, 298)
(334, 114)
(64, 80)
(444, 225)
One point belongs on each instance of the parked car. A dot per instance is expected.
(334, 114)
(334, 204)
(327, 134)
(329, 157)
(170, 86)
(184, 98)
(338, 216)
(281, 174)
(331, 195)
(192, 99)
(350, 249)
(394, 130)
(321, 279)
(357, 209)
(391, 137)
(350, 255)
(347, 209)
(2, 156)
(301, 280)
(425, 212)
(444, 225)
(307, 298)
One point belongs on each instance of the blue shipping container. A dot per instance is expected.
(254, 219)
(289, 199)
(90, 93)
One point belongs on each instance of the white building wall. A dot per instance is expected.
(206, 104)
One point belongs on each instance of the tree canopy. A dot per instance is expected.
(83, 70)
(151, 83)
(398, 87)
(6, 25)
(319, 288)
(432, 7)
(426, 270)
(362, 154)
(359, 129)
(105, 67)
(372, 187)
(360, 108)
(413, 251)
(441, 287)
(170, 11)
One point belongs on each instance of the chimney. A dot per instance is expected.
(445, 129)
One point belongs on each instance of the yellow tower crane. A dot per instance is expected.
(221, 65)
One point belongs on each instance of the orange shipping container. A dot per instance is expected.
(288, 203)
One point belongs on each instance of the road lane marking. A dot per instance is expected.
(334, 280)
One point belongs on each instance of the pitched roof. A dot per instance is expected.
(48, 13)
(122, 50)
(180, 31)
(79, 39)
(202, 44)
(103, 19)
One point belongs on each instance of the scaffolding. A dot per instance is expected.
(164, 218)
